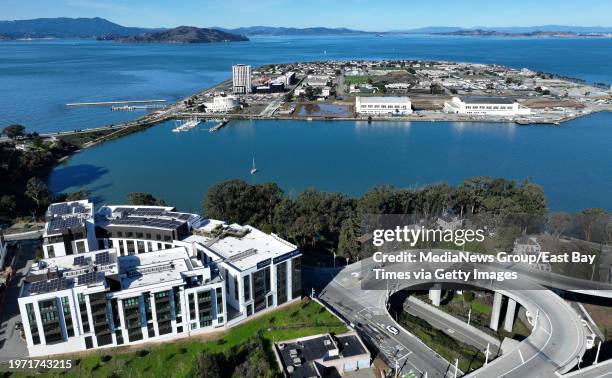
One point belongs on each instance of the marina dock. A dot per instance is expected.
(219, 125)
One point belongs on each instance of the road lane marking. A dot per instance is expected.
(521, 355)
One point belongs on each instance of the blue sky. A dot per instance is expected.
(379, 15)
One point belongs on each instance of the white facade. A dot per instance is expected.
(260, 270)
(124, 301)
(159, 274)
(69, 229)
(383, 105)
(221, 104)
(241, 78)
(491, 106)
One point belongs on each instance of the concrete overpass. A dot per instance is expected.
(557, 341)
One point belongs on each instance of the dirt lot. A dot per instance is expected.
(428, 102)
(540, 103)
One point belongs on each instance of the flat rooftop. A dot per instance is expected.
(301, 356)
(67, 215)
(487, 100)
(83, 207)
(245, 252)
(162, 217)
(59, 273)
(383, 100)
(158, 267)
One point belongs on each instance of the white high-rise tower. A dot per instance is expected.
(241, 78)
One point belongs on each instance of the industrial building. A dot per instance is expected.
(383, 105)
(149, 273)
(491, 106)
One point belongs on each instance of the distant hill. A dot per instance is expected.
(64, 28)
(282, 31)
(508, 29)
(538, 33)
(430, 30)
(181, 34)
(97, 27)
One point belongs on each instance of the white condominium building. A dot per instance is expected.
(241, 78)
(383, 105)
(154, 274)
(259, 270)
(493, 106)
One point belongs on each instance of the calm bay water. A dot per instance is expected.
(572, 162)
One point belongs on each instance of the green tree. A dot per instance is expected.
(144, 199)
(468, 296)
(240, 202)
(209, 365)
(80, 194)
(588, 220)
(348, 244)
(14, 131)
(8, 205)
(38, 192)
(559, 222)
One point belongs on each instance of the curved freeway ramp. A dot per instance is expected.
(554, 347)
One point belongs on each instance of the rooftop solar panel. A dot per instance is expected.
(90, 278)
(102, 258)
(50, 285)
(80, 260)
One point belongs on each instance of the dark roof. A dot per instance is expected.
(487, 100)
(307, 351)
(350, 346)
(317, 348)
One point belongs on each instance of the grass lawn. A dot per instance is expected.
(348, 80)
(470, 358)
(176, 358)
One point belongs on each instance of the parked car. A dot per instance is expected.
(393, 330)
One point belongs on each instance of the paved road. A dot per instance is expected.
(453, 327)
(11, 344)
(555, 345)
(366, 309)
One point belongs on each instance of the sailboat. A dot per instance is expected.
(253, 168)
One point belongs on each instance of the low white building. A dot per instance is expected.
(397, 86)
(324, 355)
(383, 105)
(491, 106)
(222, 104)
